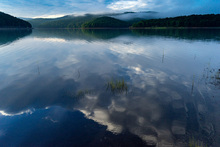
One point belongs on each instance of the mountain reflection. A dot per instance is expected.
(9, 36)
(107, 34)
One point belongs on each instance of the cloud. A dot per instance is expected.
(19, 113)
(50, 16)
(124, 5)
(48, 8)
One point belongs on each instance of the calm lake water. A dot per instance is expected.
(109, 87)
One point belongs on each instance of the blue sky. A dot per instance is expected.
(56, 8)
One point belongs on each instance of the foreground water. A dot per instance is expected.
(64, 87)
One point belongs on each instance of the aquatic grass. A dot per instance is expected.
(193, 82)
(212, 76)
(217, 75)
(196, 143)
(79, 94)
(163, 56)
(83, 93)
(117, 86)
(216, 78)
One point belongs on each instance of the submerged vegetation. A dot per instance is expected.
(196, 143)
(212, 76)
(79, 94)
(83, 93)
(117, 86)
(216, 78)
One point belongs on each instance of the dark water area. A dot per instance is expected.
(110, 87)
(11, 35)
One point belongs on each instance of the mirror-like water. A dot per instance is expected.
(110, 87)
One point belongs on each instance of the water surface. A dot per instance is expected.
(55, 87)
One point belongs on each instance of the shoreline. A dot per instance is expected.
(133, 28)
(107, 28)
(16, 28)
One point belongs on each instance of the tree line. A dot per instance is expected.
(8, 21)
(210, 20)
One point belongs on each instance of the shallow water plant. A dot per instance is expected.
(117, 86)
(216, 78)
(196, 143)
(82, 93)
(212, 76)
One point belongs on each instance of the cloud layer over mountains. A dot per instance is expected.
(56, 8)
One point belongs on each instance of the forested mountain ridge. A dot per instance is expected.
(127, 19)
(106, 22)
(209, 20)
(72, 21)
(62, 22)
(8, 21)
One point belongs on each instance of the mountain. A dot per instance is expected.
(71, 21)
(105, 22)
(135, 16)
(36, 23)
(209, 20)
(8, 21)
(68, 21)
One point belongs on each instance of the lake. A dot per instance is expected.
(110, 87)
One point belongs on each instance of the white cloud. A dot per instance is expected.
(123, 5)
(51, 39)
(19, 113)
(50, 16)
(102, 117)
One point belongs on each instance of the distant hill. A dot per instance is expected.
(105, 22)
(71, 21)
(8, 21)
(68, 21)
(210, 20)
(135, 16)
(36, 23)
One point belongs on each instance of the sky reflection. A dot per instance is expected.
(68, 77)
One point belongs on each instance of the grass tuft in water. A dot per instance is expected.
(117, 86)
(82, 93)
(196, 143)
(212, 76)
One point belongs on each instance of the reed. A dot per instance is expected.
(196, 143)
(117, 86)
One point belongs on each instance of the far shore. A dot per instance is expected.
(16, 28)
(106, 28)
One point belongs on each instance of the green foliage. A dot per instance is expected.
(105, 22)
(8, 21)
(210, 20)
